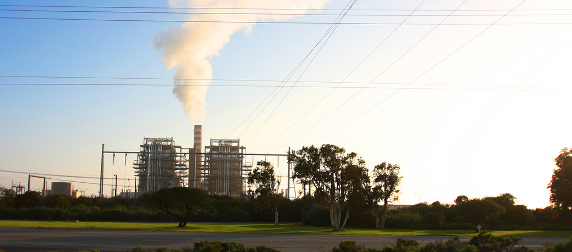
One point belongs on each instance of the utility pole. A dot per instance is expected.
(101, 176)
(115, 185)
(288, 190)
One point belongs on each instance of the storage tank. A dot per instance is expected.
(64, 188)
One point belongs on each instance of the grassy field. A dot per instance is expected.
(263, 228)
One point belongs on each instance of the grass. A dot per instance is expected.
(263, 228)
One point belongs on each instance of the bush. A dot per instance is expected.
(350, 246)
(560, 247)
(262, 249)
(485, 242)
(403, 220)
(224, 246)
(316, 215)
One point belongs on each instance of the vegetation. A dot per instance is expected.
(179, 202)
(264, 228)
(482, 243)
(337, 192)
(386, 179)
(264, 188)
(561, 183)
(337, 176)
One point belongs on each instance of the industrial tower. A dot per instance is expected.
(160, 164)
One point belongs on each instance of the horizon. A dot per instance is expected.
(467, 97)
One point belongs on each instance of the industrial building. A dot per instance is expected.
(196, 159)
(224, 170)
(64, 188)
(160, 164)
(219, 169)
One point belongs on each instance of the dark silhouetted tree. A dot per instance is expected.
(264, 187)
(28, 199)
(561, 183)
(179, 202)
(335, 175)
(386, 179)
(479, 211)
(7, 197)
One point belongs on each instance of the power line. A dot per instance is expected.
(269, 22)
(276, 14)
(229, 80)
(347, 76)
(56, 175)
(328, 31)
(422, 74)
(381, 73)
(256, 8)
(331, 32)
(443, 86)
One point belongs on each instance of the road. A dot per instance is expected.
(19, 239)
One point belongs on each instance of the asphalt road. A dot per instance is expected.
(18, 239)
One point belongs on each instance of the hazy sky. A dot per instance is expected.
(473, 102)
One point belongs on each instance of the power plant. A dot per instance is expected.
(219, 168)
(160, 164)
(224, 169)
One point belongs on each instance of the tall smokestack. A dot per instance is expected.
(195, 172)
(189, 47)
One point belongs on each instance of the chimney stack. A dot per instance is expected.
(195, 164)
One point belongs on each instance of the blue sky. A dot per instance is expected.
(471, 109)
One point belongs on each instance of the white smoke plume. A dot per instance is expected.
(189, 47)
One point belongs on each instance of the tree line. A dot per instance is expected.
(338, 192)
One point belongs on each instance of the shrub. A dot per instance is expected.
(262, 249)
(224, 246)
(350, 246)
(560, 247)
(403, 220)
(485, 242)
(316, 215)
(406, 243)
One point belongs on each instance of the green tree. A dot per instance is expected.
(264, 187)
(506, 200)
(479, 211)
(179, 202)
(386, 179)
(337, 176)
(57, 201)
(561, 183)
(28, 199)
(7, 196)
(307, 161)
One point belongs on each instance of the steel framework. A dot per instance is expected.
(160, 164)
(224, 169)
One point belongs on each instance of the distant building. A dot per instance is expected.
(160, 164)
(223, 169)
(64, 188)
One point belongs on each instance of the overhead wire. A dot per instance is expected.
(270, 22)
(276, 90)
(381, 73)
(331, 32)
(347, 76)
(56, 175)
(281, 14)
(422, 86)
(253, 8)
(307, 83)
(422, 74)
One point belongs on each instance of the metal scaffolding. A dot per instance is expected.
(223, 169)
(160, 164)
